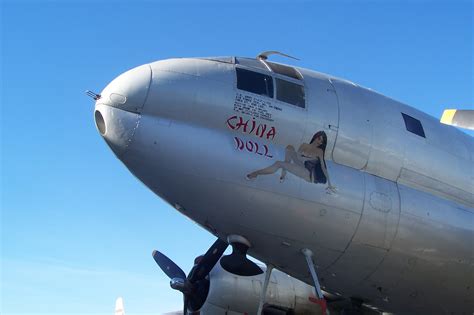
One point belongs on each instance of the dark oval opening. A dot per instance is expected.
(99, 122)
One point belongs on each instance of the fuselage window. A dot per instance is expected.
(290, 92)
(254, 82)
(413, 125)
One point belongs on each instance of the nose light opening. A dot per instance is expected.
(99, 122)
(117, 98)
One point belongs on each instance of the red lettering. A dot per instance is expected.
(241, 123)
(261, 130)
(250, 149)
(229, 124)
(266, 151)
(271, 133)
(253, 126)
(239, 144)
(252, 146)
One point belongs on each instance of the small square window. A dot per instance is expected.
(413, 125)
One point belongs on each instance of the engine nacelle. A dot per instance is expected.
(233, 294)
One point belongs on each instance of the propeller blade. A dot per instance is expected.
(168, 266)
(208, 261)
(459, 118)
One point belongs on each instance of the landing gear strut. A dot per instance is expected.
(308, 254)
(263, 293)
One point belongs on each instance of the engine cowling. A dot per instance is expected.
(241, 295)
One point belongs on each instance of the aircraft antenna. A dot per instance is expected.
(95, 96)
(264, 55)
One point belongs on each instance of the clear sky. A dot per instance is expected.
(77, 229)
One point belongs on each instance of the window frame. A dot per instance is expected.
(256, 70)
(274, 76)
(406, 117)
(294, 81)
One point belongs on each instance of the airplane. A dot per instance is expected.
(334, 184)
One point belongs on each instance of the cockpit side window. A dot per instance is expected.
(290, 92)
(254, 82)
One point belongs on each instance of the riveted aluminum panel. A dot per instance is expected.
(323, 108)
(192, 90)
(375, 233)
(354, 137)
(387, 150)
(438, 163)
(435, 170)
(430, 263)
(381, 214)
(129, 90)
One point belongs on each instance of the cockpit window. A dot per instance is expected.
(284, 70)
(290, 92)
(254, 82)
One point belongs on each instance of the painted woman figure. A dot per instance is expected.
(308, 162)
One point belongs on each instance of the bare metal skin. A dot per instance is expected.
(392, 225)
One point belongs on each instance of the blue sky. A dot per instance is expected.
(77, 229)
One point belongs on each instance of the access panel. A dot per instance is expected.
(354, 138)
(323, 111)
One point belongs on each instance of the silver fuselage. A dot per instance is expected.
(398, 232)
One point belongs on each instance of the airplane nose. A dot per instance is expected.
(117, 110)
(116, 126)
(129, 90)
